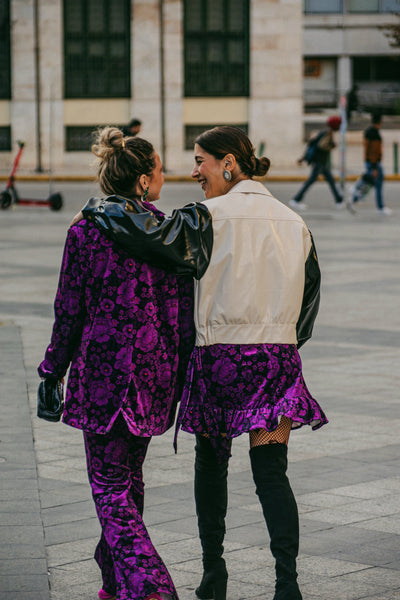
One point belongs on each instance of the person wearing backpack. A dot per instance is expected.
(317, 154)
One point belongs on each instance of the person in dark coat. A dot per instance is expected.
(320, 165)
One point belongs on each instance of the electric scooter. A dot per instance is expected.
(10, 195)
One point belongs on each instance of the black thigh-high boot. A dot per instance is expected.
(211, 496)
(269, 464)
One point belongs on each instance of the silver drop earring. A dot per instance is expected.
(227, 175)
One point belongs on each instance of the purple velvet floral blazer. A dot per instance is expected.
(125, 329)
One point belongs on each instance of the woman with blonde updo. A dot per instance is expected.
(125, 329)
(255, 306)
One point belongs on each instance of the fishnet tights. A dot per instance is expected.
(260, 437)
(280, 435)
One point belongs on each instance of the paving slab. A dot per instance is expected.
(345, 476)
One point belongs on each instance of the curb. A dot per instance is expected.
(176, 178)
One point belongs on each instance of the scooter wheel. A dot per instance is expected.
(5, 200)
(55, 201)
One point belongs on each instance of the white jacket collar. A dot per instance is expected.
(249, 186)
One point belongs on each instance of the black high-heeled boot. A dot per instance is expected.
(269, 464)
(211, 497)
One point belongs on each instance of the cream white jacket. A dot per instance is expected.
(253, 290)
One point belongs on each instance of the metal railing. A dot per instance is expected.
(387, 100)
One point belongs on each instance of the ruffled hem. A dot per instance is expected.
(216, 421)
(208, 404)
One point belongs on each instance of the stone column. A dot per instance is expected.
(145, 56)
(146, 75)
(51, 77)
(276, 79)
(173, 70)
(23, 105)
(23, 115)
(344, 77)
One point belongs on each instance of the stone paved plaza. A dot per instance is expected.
(345, 475)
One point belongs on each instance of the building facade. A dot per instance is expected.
(345, 46)
(68, 67)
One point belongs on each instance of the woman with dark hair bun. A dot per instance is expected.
(255, 305)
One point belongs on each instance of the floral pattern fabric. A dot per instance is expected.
(130, 565)
(127, 330)
(231, 389)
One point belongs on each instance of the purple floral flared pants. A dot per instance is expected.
(130, 565)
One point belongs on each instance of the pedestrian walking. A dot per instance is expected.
(352, 101)
(126, 330)
(374, 175)
(133, 128)
(317, 154)
(255, 306)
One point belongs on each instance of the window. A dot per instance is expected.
(97, 48)
(312, 67)
(216, 47)
(81, 138)
(323, 6)
(363, 6)
(375, 6)
(193, 131)
(5, 138)
(5, 63)
(319, 82)
(378, 79)
(351, 6)
(390, 5)
(376, 68)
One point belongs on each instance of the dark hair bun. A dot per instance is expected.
(262, 166)
(227, 139)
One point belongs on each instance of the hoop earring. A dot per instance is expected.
(227, 175)
(145, 193)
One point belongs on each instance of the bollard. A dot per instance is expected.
(395, 158)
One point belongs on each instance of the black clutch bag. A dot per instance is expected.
(50, 401)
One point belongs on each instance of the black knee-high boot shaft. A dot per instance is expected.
(269, 464)
(211, 497)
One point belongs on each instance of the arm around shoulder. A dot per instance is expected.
(181, 243)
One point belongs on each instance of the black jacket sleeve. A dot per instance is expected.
(181, 243)
(311, 297)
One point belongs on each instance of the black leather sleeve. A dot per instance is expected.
(181, 243)
(311, 297)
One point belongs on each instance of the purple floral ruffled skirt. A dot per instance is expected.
(231, 389)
